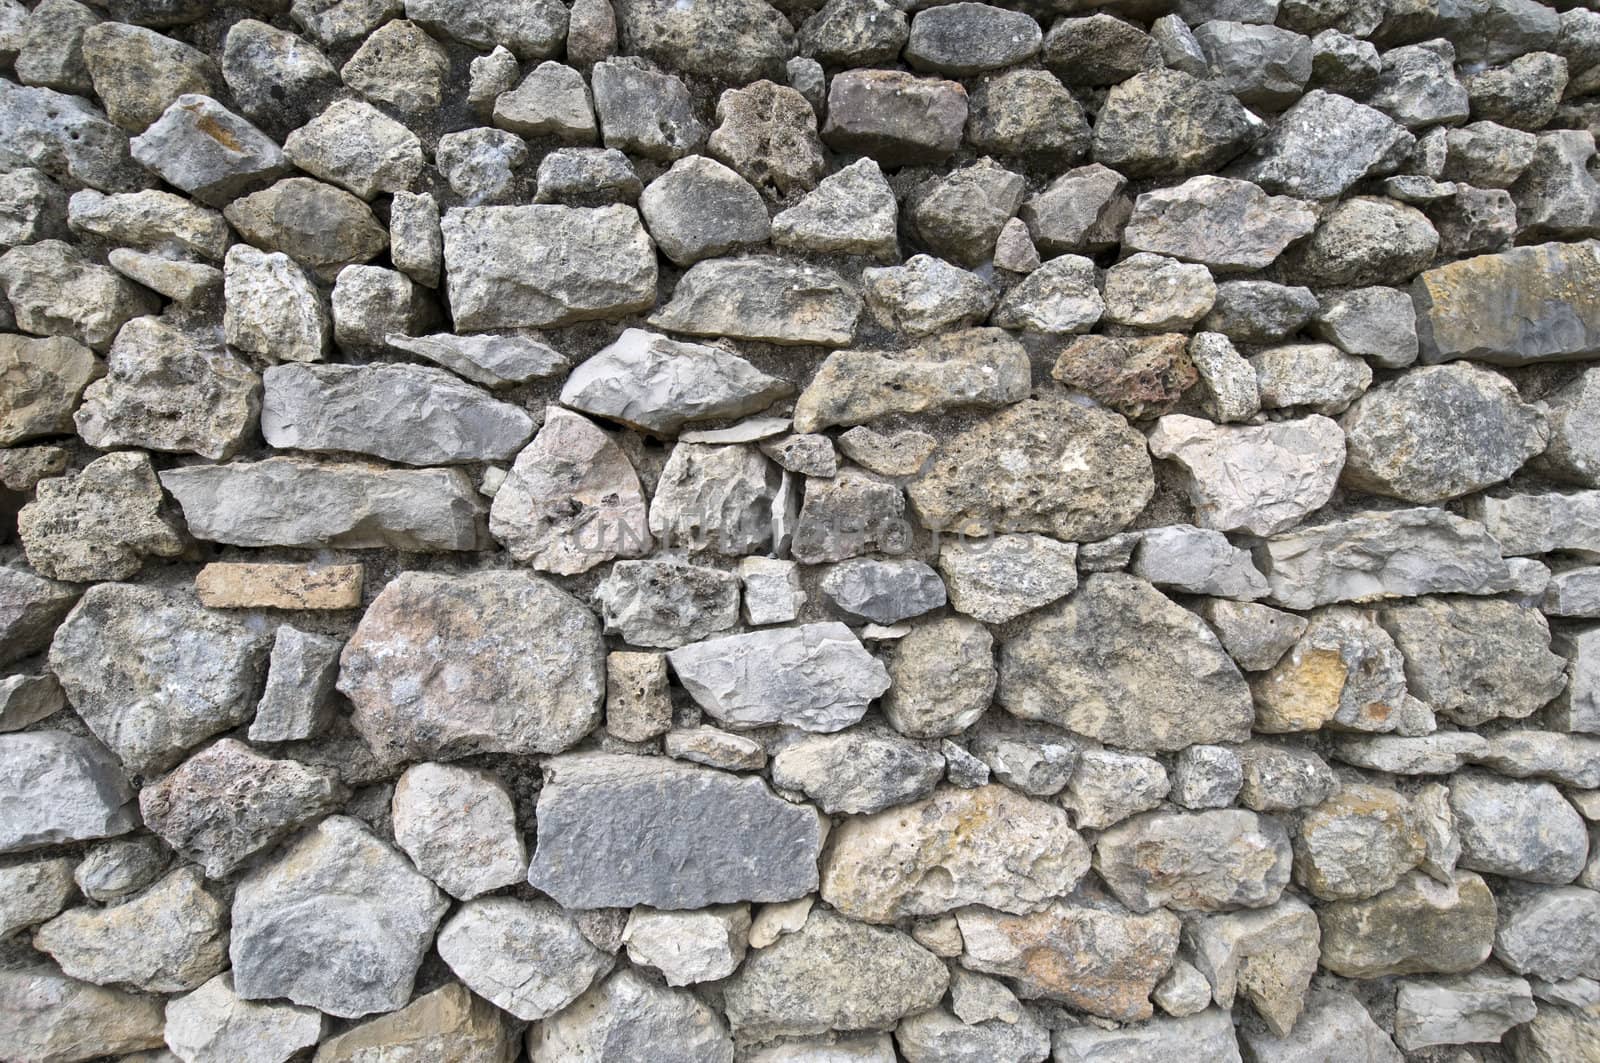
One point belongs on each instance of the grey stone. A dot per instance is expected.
(1575, 593)
(212, 1024)
(809, 454)
(169, 939)
(101, 523)
(446, 666)
(1367, 240)
(295, 937)
(1459, 1010)
(1301, 157)
(170, 390)
(997, 580)
(1555, 195)
(31, 607)
(1504, 29)
(35, 207)
(740, 40)
(645, 112)
(857, 772)
(498, 278)
(458, 826)
(358, 147)
(1195, 861)
(1059, 297)
(1167, 123)
(342, 21)
(300, 676)
(480, 164)
(27, 699)
(319, 226)
(1522, 830)
(1260, 479)
(850, 515)
(638, 704)
(57, 787)
(1014, 250)
(68, 138)
(969, 38)
(1206, 777)
(964, 771)
(33, 891)
(186, 283)
(228, 802)
(847, 33)
(1539, 522)
(1487, 154)
(533, 29)
(587, 177)
(552, 100)
(1376, 323)
(1356, 844)
(1221, 223)
(1263, 66)
(1138, 376)
(744, 842)
(208, 151)
(634, 1017)
(49, 1016)
(1027, 113)
(1280, 778)
(689, 947)
(1082, 210)
(667, 603)
(591, 32)
(852, 211)
(1088, 952)
(416, 246)
(772, 593)
(763, 298)
(1344, 670)
(276, 78)
(527, 958)
(1344, 63)
(493, 360)
(1098, 49)
(51, 48)
(895, 117)
(1438, 754)
(816, 677)
(718, 498)
(1160, 694)
(926, 295)
(1267, 957)
(1334, 1024)
(1156, 293)
(1464, 309)
(273, 308)
(334, 504)
(1184, 991)
(834, 974)
(943, 678)
(56, 290)
(884, 592)
(1381, 554)
(768, 134)
(1193, 560)
(658, 385)
(1548, 933)
(402, 66)
(1255, 636)
(1418, 86)
(1108, 787)
(354, 408)
(569, 515)
(372, 303)
(1574, 450)
(959, 216)
(1523, 94)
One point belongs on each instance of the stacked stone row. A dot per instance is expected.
(710, 531)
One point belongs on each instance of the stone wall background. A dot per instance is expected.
(711, 531)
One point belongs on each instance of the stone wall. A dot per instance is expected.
(692, 531)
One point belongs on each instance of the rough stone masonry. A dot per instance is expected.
(809, 531)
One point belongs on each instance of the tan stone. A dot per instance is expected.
(449, 1025)
(238, 585)
(1268, 955)
(638, 706)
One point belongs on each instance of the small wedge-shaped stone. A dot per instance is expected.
(525, 957)
(295, 502)
(762, 298)
(1261, 479)
(173, 390)
(989, 846)
(206, 150)
(446, 666)
(1195, 861)
(1225, 224)
(153, 674)
(509, 267)
(1121, 662)
(1090, 953)
(169, 939)
(57, 787)
(1420, 926)
(339, 922)
(101, 523)
(1269, 956)
(658, 384)
(1044, 465)
(571, 500)
(817, 677)
(852, 212)
(272, 308)
(719, 498)
(618, 830)
(48, 1016)
(213, 1025)
(446, 1024)
(1381, 554)
(832, 974)
(983, 368)
(228, 802)
(629, 1016)
(407, 413)
(494, 361)
(296, 703)
(1439, 432)
(1529, 304)
(862, 770)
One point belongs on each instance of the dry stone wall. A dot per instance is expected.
(696, 531)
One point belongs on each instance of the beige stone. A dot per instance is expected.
(449, 1025)
(638, 705)
(241, 585)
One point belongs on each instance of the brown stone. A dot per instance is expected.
(238, 585)
(1138, 376)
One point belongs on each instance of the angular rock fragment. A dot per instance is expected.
(635, 1017)
(1334, 1024)
(959, 216)
(30, 609)
(657, 384)
(895, 117)
(57, 787)
(1281, 778)
(33, 891)
(201, 147)
(1197, 861)
(1255, 636)
(1206, 777)
(645, 112)
(169, 939)
(832, 974)
(276, 78)
(527, 958)
(272, 307)
(689, 947)
(399, 65)
(943, 678)
(358, 147)
(715, 749)
(1090, 953)
(228, 802)
(971, 38)
(43, 381)
(448, 1023)
(531, 29)
(713, 838)
(296, 703)
(1345, 670)
(884, 592)
(1043, 465)
(1522, 830)
(857, 772)
(718, 498)
(27, 699)
(56, 290)
(1122, 684)
(1324, 144)
(1167, 123)
(667, 603)
(50, 1016)
(1266, 956)
(446, 666)
(1058, 298)
(999, 579)
(1157, 293)
(112, 870)
(1083, 210)
(1192, 560)
(1548, 933)
(1263, 66)
(850, 515)
(1480, 1006)
(185, 283)
(1027, 112)
(68, 138)
(1357, 843)
(1109, 787)
(213, 1023)
(762, 298)
(1218, 222)
(851, 212)
(492, 360)
(319, 226)
(700, 209)
(1316, 376)
(1526, 305)
(926, 295)
(339, 922)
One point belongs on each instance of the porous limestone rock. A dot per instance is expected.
(1195, 861)
(667, 603)
(943, 678)
(1357, 843)
(272, 307)
(44, 379)
(1000, 578)
(1267, 956)
(101, 523)
(689, 947)
(636, 1018)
